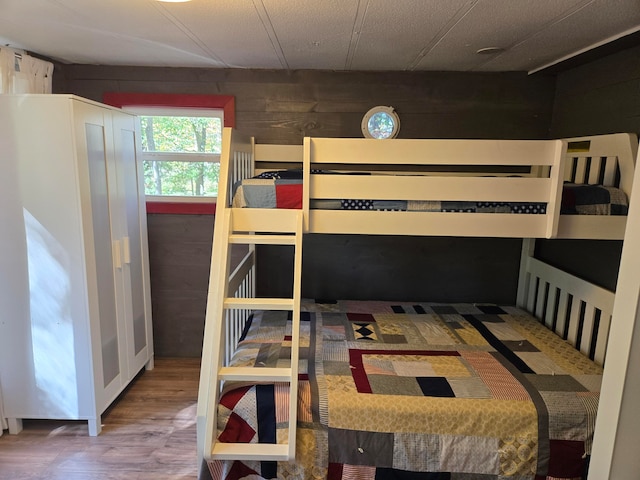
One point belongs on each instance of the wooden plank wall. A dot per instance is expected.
(602, 96)
(283, 107)
(179, 256)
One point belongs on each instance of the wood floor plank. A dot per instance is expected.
(149, 433)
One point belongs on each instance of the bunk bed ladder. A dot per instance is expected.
(261, 227)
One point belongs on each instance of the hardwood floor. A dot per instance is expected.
(148, 433)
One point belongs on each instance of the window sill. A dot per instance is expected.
(181, 205)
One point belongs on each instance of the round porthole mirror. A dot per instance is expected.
(381, 123)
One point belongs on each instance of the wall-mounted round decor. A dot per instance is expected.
(381, 122)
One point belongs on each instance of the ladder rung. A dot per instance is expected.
(250, 451)
(247, 239)
(257, 374)
(259, 303)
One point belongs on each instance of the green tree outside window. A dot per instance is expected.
(175, 146)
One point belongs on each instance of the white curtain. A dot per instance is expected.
(22, 73)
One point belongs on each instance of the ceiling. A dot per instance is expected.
(363, 35)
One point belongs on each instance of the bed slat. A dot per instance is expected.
(594, 171)
(440, 188)
(549, 318)
(561, 315)
(603, 334)
(588, 326)
(610, 170)
(574, 322)
(581, 170)
(351, 151)
(540, 299)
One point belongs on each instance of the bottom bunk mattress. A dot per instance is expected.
(414, 391)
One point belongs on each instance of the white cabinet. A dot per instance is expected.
(75, 309)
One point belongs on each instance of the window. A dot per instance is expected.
(175, 104)
(380, 123)
(180, 151)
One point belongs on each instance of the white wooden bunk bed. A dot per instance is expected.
(428, 179)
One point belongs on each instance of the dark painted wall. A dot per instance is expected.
(179, 257)
(282, 107)
(602, 96)
(360, 267)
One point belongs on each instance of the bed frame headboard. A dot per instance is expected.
(589, 161)
(578, 311)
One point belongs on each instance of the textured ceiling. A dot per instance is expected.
(405, 35)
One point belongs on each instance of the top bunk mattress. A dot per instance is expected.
(283, 189)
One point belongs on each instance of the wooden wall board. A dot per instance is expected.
(600, 97)
(179, 256)
(321, 103)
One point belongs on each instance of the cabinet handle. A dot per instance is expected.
(126, 250)
(117, 255)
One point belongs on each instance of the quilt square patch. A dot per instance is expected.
(569, 416)
(469, 454)
(565, 458)
(444, 309)
(492, 309)
(416, 452)
(361, 317)
(471, 387)
(435, 387)
(362, 448)
(556, 383)
(410, 371)
(391, 385)
(397, 339)
(333, 332)
(364, 331)
(261, 194)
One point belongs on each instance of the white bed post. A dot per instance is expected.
(524, 277)
(617, 432)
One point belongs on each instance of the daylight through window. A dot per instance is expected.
(181, 152)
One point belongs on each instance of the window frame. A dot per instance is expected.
(135, 102)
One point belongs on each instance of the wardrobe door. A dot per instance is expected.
(137, 327)
(103, 252)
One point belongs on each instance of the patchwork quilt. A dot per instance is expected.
(283, 189)
(414, 391)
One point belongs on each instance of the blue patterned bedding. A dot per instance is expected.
(283, 189)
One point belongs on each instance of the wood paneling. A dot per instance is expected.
(179, 256)
(602, 96)
(283, 107)
(359, 267)
(597, 261)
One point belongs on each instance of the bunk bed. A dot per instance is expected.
(386, 389)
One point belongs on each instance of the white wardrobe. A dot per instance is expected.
(75, 324)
